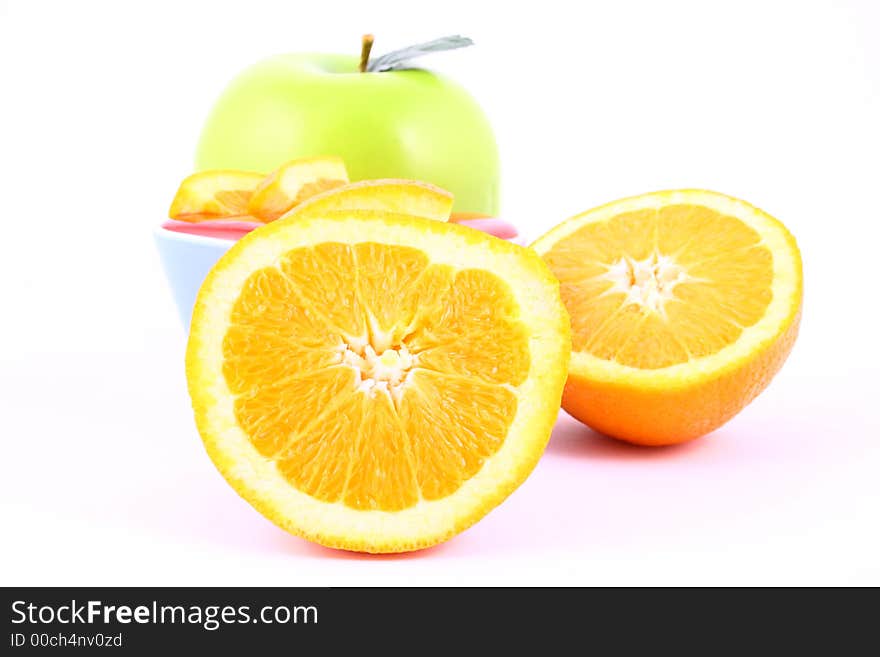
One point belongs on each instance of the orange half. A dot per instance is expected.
(376, 382)
(683, 304)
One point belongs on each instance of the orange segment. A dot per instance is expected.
(272, 336)
(440, 413)
(323, 277)
(692, 233)
(380, 393)
(294, 182)
(381, 474)
(387, 277)
(275, 414)
(211, 195)
(684, 298)
(475, 302)
(361, 459)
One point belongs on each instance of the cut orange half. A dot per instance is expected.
(684, 304)
(410, 197)
(376, 382)
(212, 195)
(294, 182)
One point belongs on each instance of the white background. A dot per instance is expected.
(104, 480)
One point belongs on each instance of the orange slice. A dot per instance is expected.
(294, 182)
(211, 195)
(684, 304)
(410, 197)
(376, 382)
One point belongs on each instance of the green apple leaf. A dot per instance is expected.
(400, 59)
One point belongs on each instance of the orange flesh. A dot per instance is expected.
(372, 377)
(311, 189)
(233, 205)
(235, 200)
(278, 203)
(202, 197)
(711, 275)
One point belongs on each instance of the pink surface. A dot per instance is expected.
(224, 229)
(786, 492)
(233, 230)
(497, 227)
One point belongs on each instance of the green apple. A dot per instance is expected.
(396, 124)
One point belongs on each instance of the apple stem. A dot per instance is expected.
(399, 60)
(366, 47)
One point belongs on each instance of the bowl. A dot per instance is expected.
(187, 259)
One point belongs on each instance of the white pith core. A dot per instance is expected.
(648, 283)
(381, 372)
